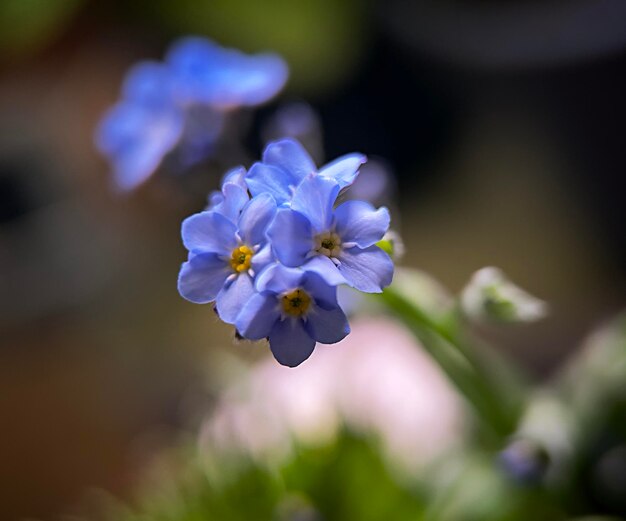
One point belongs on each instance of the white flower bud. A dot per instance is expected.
(490, 296)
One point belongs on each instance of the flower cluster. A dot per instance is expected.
(272, 247)
(180, 105)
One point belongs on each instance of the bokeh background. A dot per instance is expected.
(502, 122)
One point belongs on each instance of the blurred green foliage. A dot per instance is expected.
(489, 383)
(350, 481)
(28, 25)
(348, 478)
(322, 40)
(343, 480)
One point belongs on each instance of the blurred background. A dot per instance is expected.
(500, 127)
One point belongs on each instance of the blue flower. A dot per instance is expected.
(274, 270)
(341, 240)
(293, 309)
(137, 133)
(226, 251)
(224, 78)
(180, 105)
(230, 200)
(286, 164)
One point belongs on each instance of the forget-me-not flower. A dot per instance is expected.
(286, 164)
(272, 257)
(230, 200)
(293, 309)
(226, 251)
(341, 240)
(137, 132)
(223, 78)
(180, 104)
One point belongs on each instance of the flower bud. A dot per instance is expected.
(524, 461)
(490, 296)
(392, 245)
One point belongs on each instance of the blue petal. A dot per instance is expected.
(202, 277)
(136, 138)
(209, 232)
(291, 237)
(253, 81)
(367, 270)
(315, 198)
(360, 222)
(350, 300)
(225, 78)
(237, 195)
(214, 199)
(237, 176)
(279, 183)
(262, 258)
(323, 267)
(233, 199)
(327, 326)
(344, 170)
(203, 128)
(324, 294)
(193, 51)
(279, 279)
(233, 296)
(258, 316)
(255, 218)
(289, 155)
(192, 61)
(149, 83)
(290, 343)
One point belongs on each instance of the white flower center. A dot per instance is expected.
(328, 243)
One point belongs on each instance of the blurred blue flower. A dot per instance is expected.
(524, 461)
(137, 132)
(293, 309)
(222, 78)
(286, 164)
(342, 241)
(181, 104)
(227, 247)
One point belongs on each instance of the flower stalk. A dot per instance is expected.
(496, 403)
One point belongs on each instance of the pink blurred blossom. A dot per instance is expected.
(378, 381)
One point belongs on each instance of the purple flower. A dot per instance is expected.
(293, 309)
(226, 251)
(286, 164)
(341, 240)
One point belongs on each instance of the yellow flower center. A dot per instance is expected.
(240, 259)
(328, 243)
(296, 302)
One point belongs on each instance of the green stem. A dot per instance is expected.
(458, 360)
